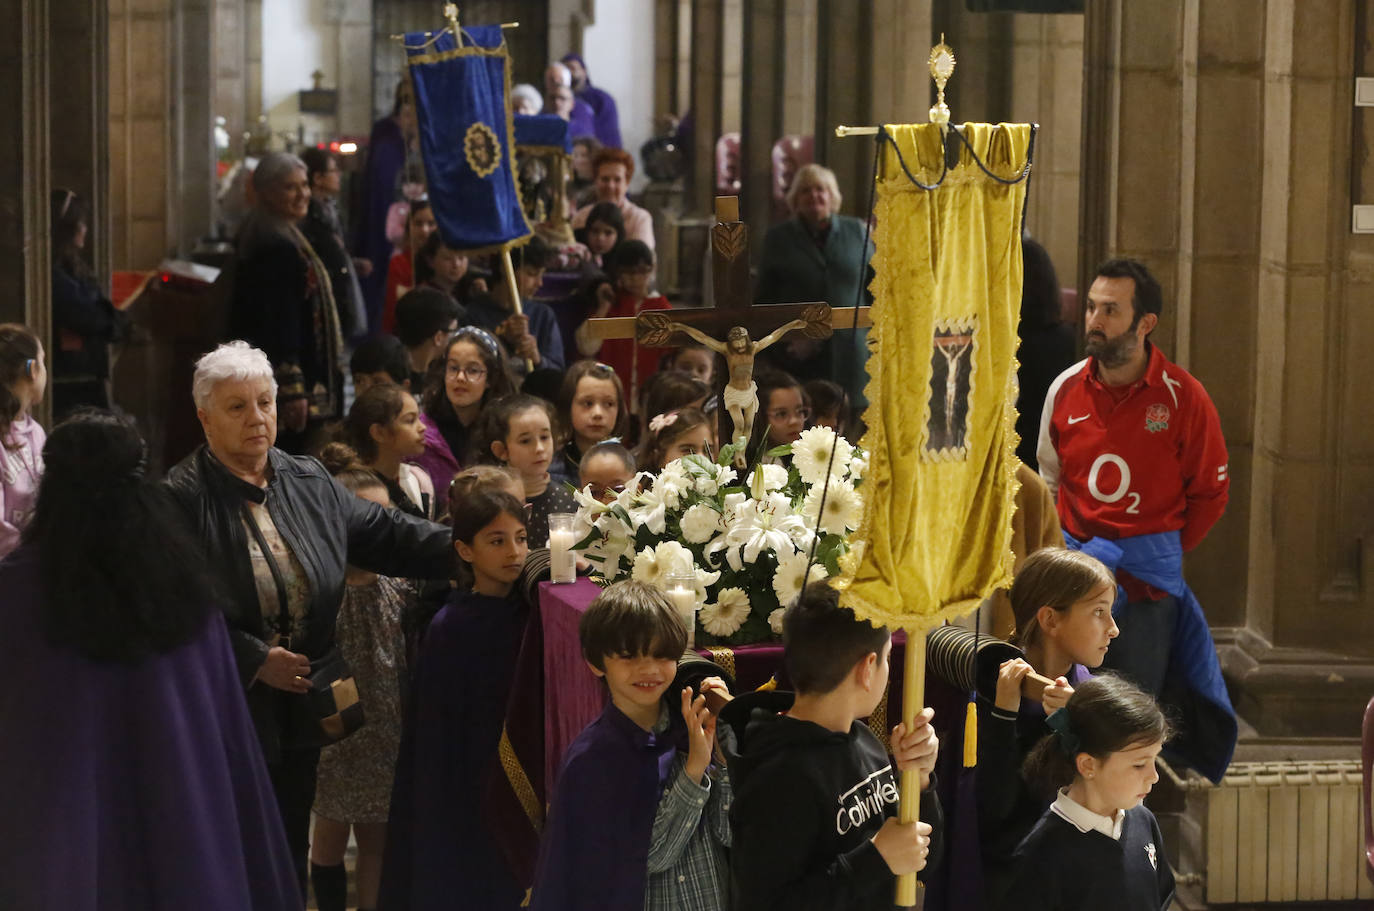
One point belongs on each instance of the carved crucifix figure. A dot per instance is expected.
(731, 325)
(740, 396)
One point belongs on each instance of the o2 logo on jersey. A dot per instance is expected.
(1123, 486)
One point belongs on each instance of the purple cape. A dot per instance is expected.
(595, 853)
(386, 156)
(607, 119)
(439, 853)
(138, 787)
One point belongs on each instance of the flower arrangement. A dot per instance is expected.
(747, 540)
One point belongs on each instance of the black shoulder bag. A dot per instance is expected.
(333, 693)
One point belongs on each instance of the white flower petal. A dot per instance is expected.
(727, 614)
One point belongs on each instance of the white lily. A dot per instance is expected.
(652, 564)
(763, 524)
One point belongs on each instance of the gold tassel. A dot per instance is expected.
(768, 687)
(971, 735)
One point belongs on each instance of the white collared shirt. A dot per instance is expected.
(1085, 820)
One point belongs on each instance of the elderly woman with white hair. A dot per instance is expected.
(283, 300)
(818, 255)
(282, 533)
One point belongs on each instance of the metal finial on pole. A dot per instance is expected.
(941, 68)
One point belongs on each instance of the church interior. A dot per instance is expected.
(1227, 144)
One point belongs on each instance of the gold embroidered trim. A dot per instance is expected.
(723, 656)
(519, 781)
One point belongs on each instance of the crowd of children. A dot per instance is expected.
(683, 794)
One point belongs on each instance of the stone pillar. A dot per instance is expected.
(25, 255)
(79, 114)
(870, 69)
(762, 121)
(230, 71)
(708, 17)
(142, 155)
(193, 123)
(799, 67)
(666, 35)
(844, 94)
(1046, 87)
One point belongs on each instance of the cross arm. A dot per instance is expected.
(708, 319)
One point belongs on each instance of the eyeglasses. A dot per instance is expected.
(783, 414)
(598, 491)
(472, 371)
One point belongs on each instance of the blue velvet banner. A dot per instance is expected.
(542, 130)
(462, 92)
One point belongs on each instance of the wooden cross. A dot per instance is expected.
(733, 317)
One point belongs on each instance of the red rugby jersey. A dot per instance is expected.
(1133, 460)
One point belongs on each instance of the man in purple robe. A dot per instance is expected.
(386, 156)
(601, 102)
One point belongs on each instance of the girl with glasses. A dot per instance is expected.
(469, 373)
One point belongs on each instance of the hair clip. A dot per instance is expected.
(662, 421)
(28, 368)
(1068, 740)
(481, 337)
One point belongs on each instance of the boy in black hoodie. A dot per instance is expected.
(814, 815)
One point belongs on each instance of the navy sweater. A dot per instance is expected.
(1059, 868)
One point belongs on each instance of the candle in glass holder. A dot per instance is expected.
(682, 592)
(562, 538)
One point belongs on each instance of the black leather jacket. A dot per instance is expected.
(327, 528)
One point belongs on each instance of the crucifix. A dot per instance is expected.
(732, 326)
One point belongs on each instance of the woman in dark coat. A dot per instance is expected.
(130, 775)
(283, 300)
(818, 255)
(284, 533)
(85, 323)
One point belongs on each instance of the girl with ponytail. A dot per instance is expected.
(1097, 846)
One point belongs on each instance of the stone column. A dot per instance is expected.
(78, 54)
(142, 154)
(25, 256)
(193, 123)
(230, 71)
(1046, 87)
(666, 35)
(844, 93)
(762, 119)
(708, 17)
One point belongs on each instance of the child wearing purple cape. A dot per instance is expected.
(440, 854)
(637, 822)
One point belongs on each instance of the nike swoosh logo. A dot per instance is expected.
(1075, 420)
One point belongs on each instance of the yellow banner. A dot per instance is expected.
(936, 533)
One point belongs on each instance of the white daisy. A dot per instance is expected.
(700, 524)
(727, 614)
(844, 507)
(787, 581)
(811, 454)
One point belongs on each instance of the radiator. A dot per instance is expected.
(1286, 832)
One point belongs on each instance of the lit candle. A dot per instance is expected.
(685, 600)
(562, 557)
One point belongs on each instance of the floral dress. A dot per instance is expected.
(355, 774)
